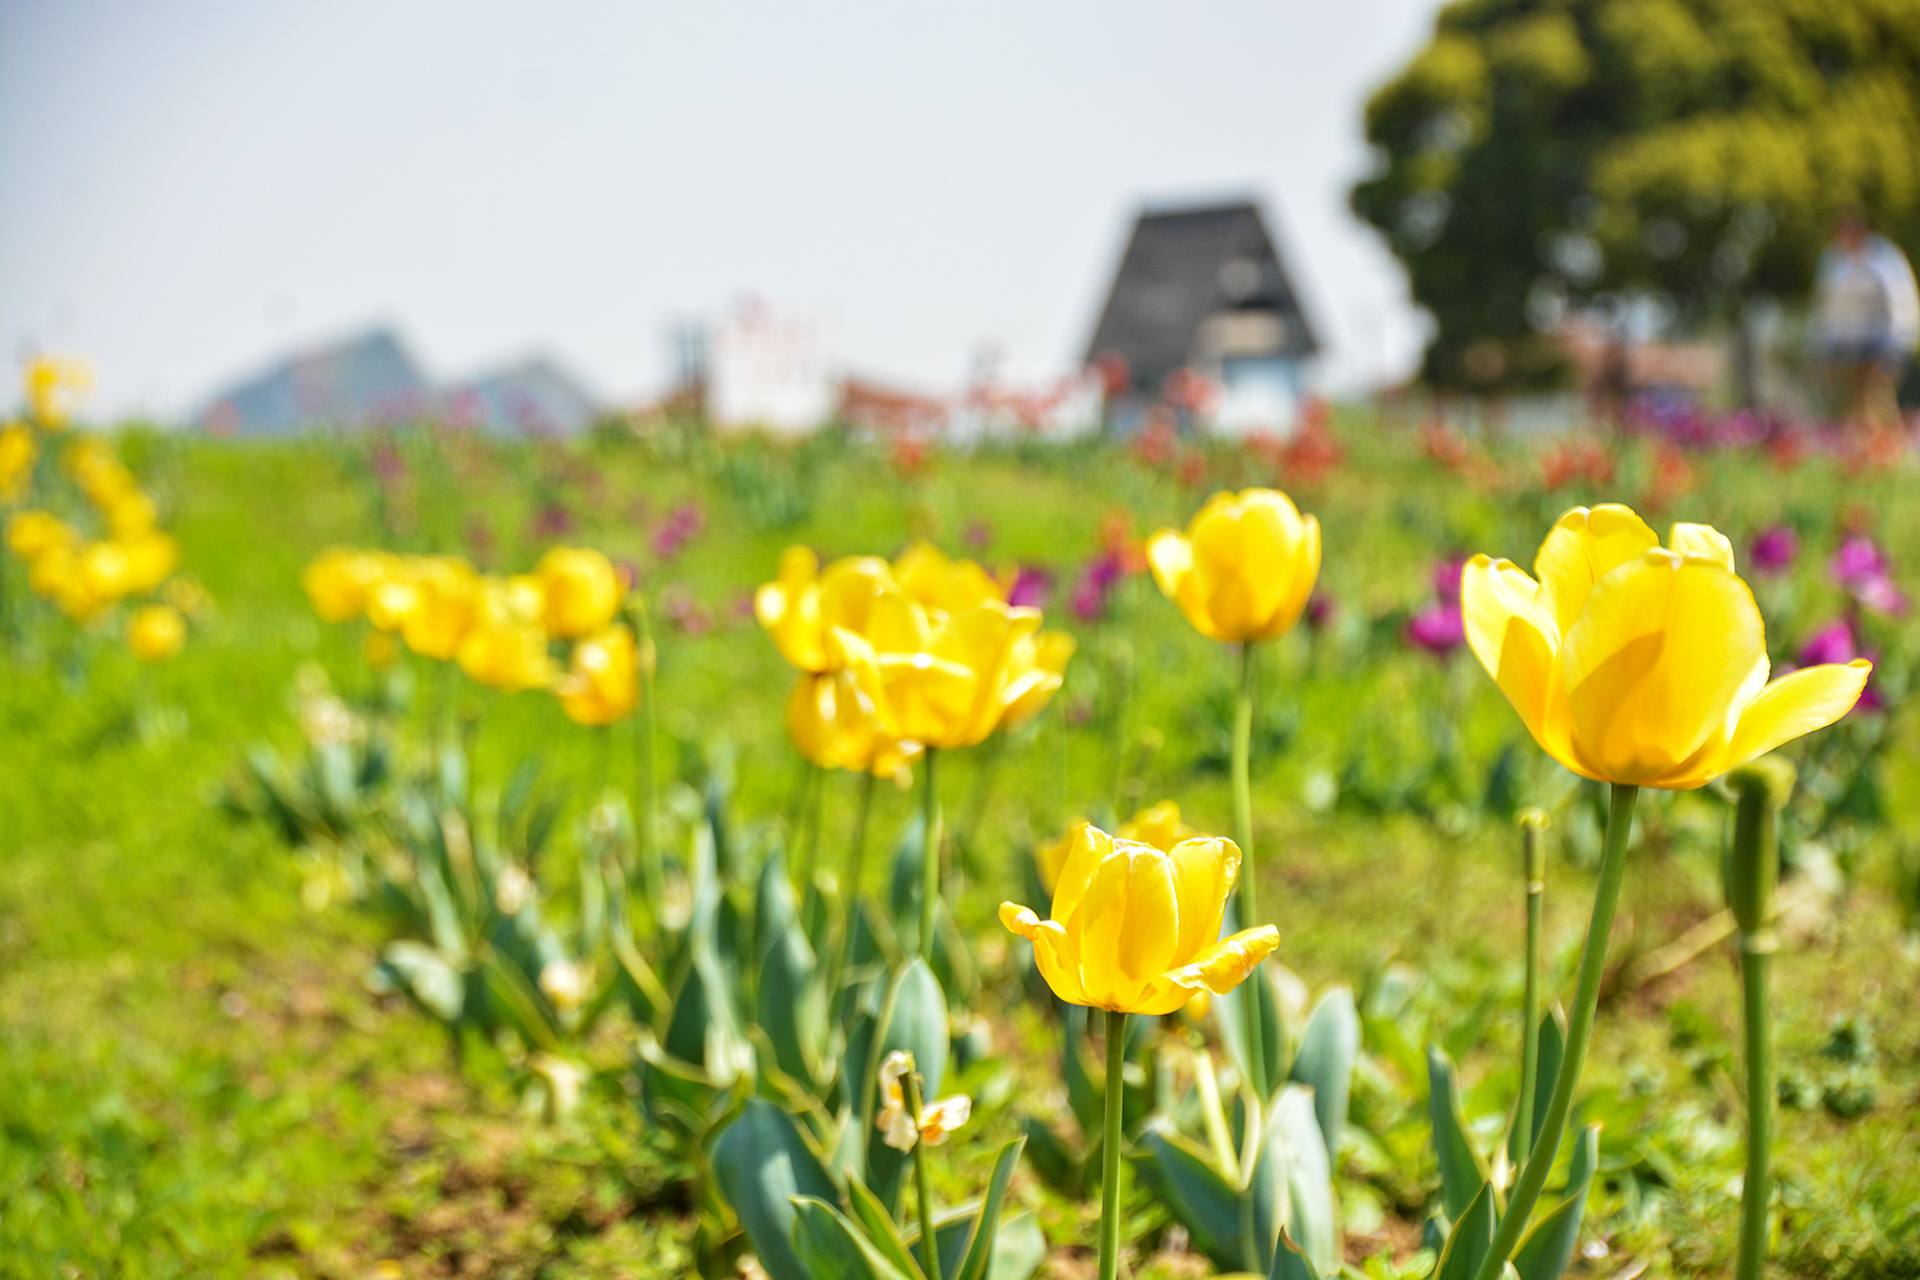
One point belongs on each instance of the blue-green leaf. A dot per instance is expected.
(1328, 1049)
(761, 1162)
(1291, 1264)
(1470, 1239)
(987, 1224)
(832, 1246)
(1197, 1195)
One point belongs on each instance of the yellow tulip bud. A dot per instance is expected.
(1244, 568)
(1135, 929)
(580, 590)
(339, 580)
(1636, 664)
(602, 684)
(53, 384)
(156, 633)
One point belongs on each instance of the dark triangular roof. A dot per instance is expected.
(1175, 274)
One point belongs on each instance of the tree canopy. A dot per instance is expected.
(1540, 154)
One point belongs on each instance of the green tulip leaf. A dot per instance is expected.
(1198, 1196)
(1289, 1263)
(879, 1226)
(1462, 1173)
(1292, 1185)
(1470, 1239)
(913, 1019)
(1328, 1048)
(829, 1245)
(1551, 1038)
(1547, 1248)
(987, 1224)
(1249, 1020)
(761, 1162)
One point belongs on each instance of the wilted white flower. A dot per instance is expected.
(936, 1120)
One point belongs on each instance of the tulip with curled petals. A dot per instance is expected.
(1638, 664)
(1243, 569)
(1136, 929)
(1158, 825)
(580, 590)
(602, 683)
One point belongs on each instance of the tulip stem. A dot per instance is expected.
(929, 855)
(1593, 963)
(1533, 861)
(929, 1239)
(1110, 1146)
(1243, 788)
(1756, 959)
(651, 862)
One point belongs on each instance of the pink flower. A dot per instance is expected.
(1858, 560)
(1438, 628)
(1446, 578)
(1032, 587)
(1774, 550)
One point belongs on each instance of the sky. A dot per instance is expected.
(190, 189)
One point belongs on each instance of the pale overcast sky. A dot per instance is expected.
(189, 188)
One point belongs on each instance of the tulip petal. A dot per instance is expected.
(1665, 650)
(1053, 951)
(1795, 705)
(1100, 925)
(1204, 871)
(1151, 929)
(1170, 556)
(1225, 965)
(1583, 547)
(1087, 847)
(1514, 637)
(1703, 542)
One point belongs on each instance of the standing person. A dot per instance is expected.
(1867, 317)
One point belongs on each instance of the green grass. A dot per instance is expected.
(195, 1081)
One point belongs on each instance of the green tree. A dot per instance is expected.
(1541, 154)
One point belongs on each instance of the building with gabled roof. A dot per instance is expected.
(1201, 296)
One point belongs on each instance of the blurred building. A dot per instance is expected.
(1203, 317)
(372, 379)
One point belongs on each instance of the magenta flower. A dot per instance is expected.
(679, 528)
(1881, 595)
(1032, 587)
(1320, 611)
(1446, 578)
(1858, 560)
(1438, 628)
(1774, 550)
(552, 521)
(979, 535)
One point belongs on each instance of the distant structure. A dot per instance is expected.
(532, 397)
(769, 373)
(371, 379)
(1203, 315)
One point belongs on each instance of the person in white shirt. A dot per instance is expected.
(1867, 318)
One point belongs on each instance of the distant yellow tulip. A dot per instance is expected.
(581, 590)
(1641, 665)
(29, 533)
(156, 633)
(17, 452)
(510, 655)
(602, 684)
(339, 580)
(149, 558)
(836, 727)
(447, 605)
(1135, 929)
(1243, 569)
(801, 608)
(53, 384)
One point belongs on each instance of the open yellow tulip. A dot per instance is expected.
(835, 726)
(801, 607)
(1135, 929)
(1639, 664)
(939, 581)
(1244, 568)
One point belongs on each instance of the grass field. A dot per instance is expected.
(197, 1080)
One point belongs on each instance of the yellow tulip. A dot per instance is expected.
(31, 533)
(801, 608)
(131, 514)
(1244, 568)
(602, 684)
(52, 385)
(17, 452)
(339, 580)
(1158, 825)
(507, 655)
(1639, 664)
(939, 581)
(148, 558)
(580, 590)
(106, 570)
(938, 679)
(378, 650)
(156, 633)
(446, 606)
(1036, 667)
(1135, 929)
(835, 726)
